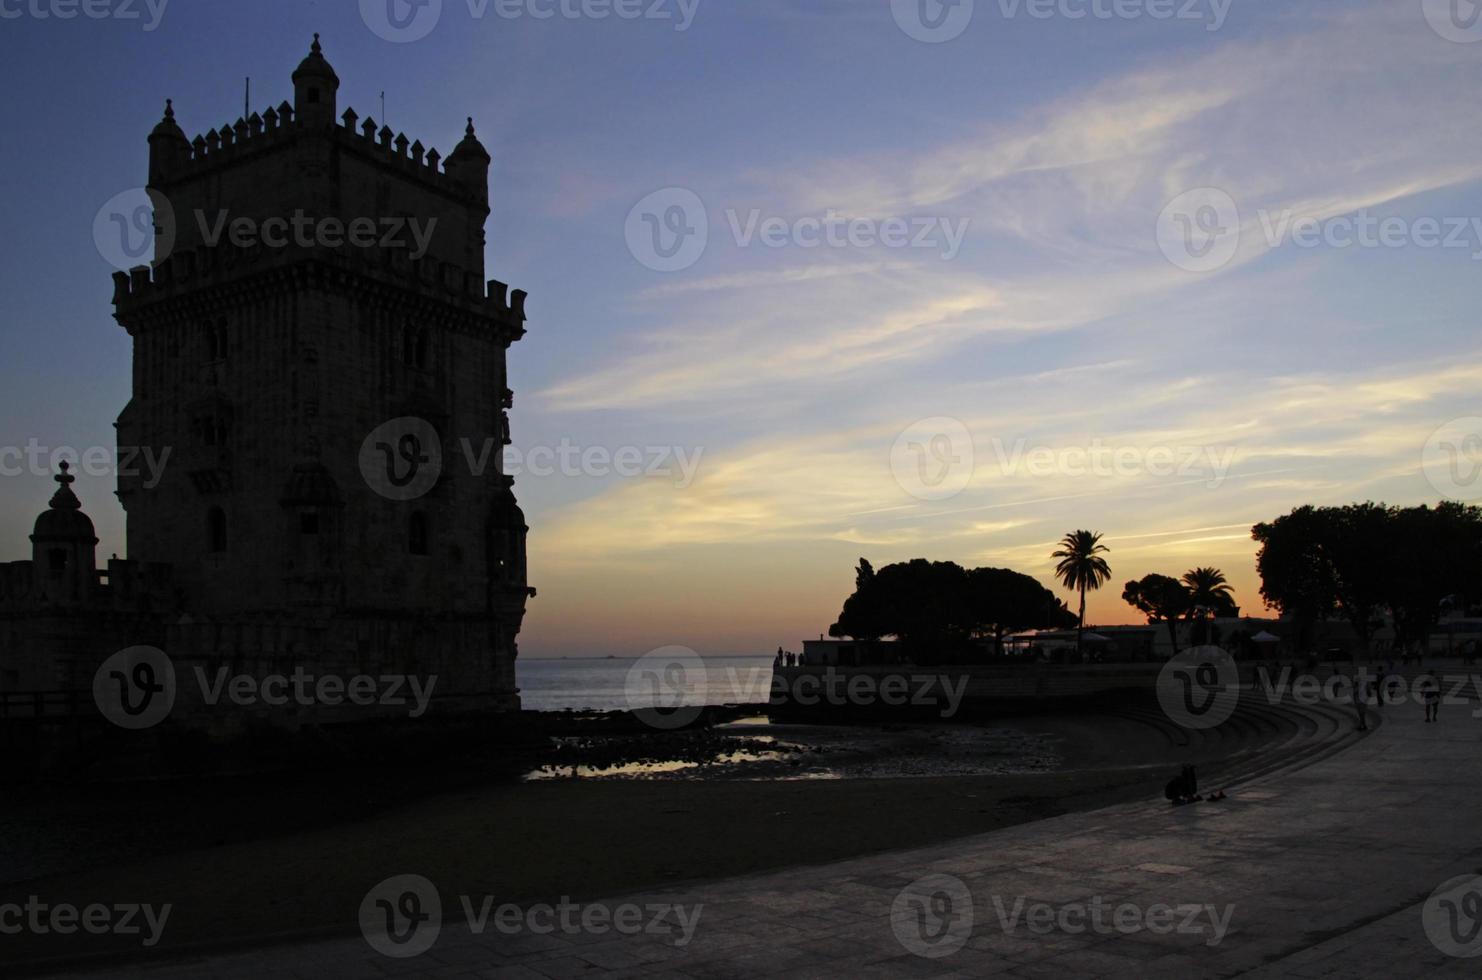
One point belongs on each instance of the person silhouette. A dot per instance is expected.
(1361, 701)
(1430, 695)
(1183, 788)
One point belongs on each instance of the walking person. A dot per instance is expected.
(1430, 694)
(1361, 701)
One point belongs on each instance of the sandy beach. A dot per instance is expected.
(269, 857)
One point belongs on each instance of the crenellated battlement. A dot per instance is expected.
(124, 586)
(279, 126)
(204, 266)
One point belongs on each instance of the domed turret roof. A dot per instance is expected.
(64, 521)
(315, 66)
(168, 127)
(470, 147)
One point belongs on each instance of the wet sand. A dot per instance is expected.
(242, 861)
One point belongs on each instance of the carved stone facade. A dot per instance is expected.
(319, 354)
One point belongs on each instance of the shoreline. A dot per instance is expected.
(582, 839)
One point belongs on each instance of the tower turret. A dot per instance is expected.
(469, 163)
(315, 88)
(64, 546)
(168, 148)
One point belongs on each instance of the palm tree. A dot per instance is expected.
(1081, 567)
(1210, 594)
(1208, 589)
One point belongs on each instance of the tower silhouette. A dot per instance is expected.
(317, 351)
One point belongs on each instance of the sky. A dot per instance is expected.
(847, 278)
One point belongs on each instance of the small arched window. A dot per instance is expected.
(417, 534)
(216, 530)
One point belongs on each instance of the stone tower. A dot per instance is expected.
(316, 348)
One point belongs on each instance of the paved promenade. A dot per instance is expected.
(1323, 871)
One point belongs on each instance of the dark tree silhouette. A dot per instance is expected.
(1004, 601)
(1367, 559)
(1161, 599)
(1209, 595)
(1297, 576)
(935, 609)
(1081, 567)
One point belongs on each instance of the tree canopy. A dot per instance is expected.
(935, 609)
(1367, 560)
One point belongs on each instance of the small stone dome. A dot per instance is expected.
(168, 128)
(315, 66)
(469, 148)
(64, 521)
